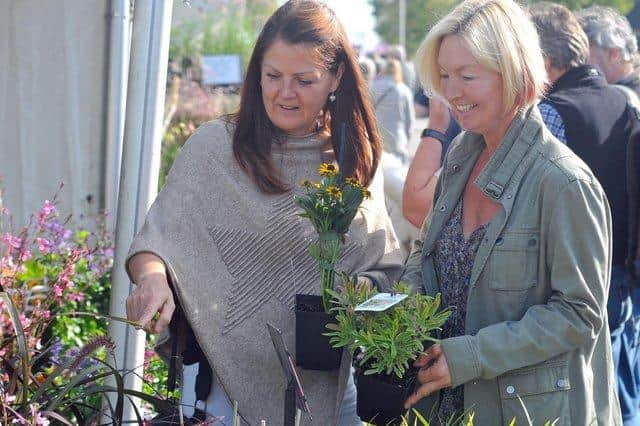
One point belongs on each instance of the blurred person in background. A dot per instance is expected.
(517, 242)
(368, 69)
(398, 53)
(613, 47)
(601, 126)
(393, 106)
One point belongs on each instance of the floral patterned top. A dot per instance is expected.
(454, 257)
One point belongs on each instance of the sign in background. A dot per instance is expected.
(221, 70)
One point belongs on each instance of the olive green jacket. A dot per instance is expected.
(536, 322)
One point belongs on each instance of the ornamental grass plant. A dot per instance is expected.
(54, 359)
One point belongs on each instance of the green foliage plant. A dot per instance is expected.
(53, 358)
(388, 341)
(330, 205)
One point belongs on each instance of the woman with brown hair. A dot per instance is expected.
(225, 236)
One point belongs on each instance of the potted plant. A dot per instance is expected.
(330, 205)
(385, 343)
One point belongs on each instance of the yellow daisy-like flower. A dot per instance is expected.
(327, 169)
(307, 184)
(40, 378)
(352, 182)
(334, 191)
(366, 193)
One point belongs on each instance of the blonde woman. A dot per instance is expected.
(518, 240)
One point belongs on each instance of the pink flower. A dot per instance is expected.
(76, 297)
(40, 420)
(25, 255)
(57, 290)
(11, 241)
(48, 208)
(44, 245)
(26, 322)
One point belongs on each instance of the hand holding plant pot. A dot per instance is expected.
(330, 205)
(386, 345)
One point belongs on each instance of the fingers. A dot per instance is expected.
(148, 300)
(423, 360)
(424, 390)
(431, 353)
(166, 312)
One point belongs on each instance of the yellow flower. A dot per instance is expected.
(352, 182)
(366, 193)
(334, 191)
(327, 169)
(307, 184)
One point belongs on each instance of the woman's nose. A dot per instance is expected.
(451, 90)
(287, 89)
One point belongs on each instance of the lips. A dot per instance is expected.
(289, 108)
(465, 108)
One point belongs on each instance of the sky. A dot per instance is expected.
(357, 17)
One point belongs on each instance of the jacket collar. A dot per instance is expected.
(501, 167)
(582, 76)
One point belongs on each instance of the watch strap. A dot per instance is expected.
(436, 134)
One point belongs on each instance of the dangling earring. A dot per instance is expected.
(332, 97)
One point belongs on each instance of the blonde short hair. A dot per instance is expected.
(501, 38)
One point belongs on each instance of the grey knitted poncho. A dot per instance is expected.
(237, 257)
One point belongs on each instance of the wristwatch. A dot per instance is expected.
(436, 134)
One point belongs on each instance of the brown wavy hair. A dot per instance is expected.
(315, 25)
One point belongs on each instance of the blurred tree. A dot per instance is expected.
(217, 27)
(422, 14)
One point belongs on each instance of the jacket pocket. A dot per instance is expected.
(537, 393)
(513, 262)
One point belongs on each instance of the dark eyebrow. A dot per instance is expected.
(298, 74)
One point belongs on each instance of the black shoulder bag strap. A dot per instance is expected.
(386, 92)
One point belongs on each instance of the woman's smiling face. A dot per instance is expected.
(473, 91)
(294, 87)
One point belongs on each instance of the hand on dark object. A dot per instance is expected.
(433, 375)
(151, 304)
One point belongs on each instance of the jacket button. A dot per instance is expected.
(532, 242)
(510, 390)
(509, 195)
(443, 207)
(455, 168)
(561, 383)
(499, 241)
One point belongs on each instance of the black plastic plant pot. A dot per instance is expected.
(313, 351)
(381, 398)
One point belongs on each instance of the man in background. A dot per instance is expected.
(599, 124)
(613, 45)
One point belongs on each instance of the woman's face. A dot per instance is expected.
(473, 91)
(294, 88)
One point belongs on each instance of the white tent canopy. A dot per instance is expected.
(63, 85)
(52, 114)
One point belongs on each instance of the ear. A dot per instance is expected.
(338, 77)
(615, 56)
(547, 64)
